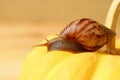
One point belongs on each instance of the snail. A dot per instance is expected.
(81, 35)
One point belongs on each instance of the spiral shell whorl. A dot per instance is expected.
(87, 32)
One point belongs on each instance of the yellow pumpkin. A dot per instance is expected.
(42, 64)
(63, 65)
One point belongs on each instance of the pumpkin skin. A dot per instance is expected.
(62, 65)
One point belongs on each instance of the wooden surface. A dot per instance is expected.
(16, 41)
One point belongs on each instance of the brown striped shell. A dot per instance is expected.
(87, 32)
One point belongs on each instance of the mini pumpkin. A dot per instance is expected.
(63, 65)
(56, 63)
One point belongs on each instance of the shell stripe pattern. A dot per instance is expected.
(84, 29)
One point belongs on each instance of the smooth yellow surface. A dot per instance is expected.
(46, 63)
(76, 67)
(32, 60)
(108, 68)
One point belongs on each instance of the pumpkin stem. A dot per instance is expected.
(111, 21)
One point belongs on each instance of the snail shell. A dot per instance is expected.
(87, 32)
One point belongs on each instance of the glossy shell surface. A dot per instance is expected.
(89, 33)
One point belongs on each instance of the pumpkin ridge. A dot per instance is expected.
(65, 67)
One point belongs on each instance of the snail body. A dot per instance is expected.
(61, 43)
(81, 35)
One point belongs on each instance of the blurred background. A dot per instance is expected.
(24, 23)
